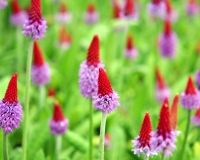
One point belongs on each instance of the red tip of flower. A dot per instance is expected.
(116, 10)
(197, 112)
(51, 92)
(129, 7)
(104, 87)
(190, 89)
(91, 8)
(192, 1)
(35, 11)
(168, 28)
(198, 47)
(37, 55)
(164, 119)
(15, 6)
(63, 8)
(159, 79)
(156, 1)
(64, 37)
(168, 6)
(93, 51)
(174, 112)
(57, 113)
(129, 42)
(107, 136)
(145, 131)
(11, 92)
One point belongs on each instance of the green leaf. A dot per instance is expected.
(39, 155)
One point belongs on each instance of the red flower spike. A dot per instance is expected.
(37, 55)
(190, 89)
(91, 8)
(35, 11)
(156, 1)
(129, 43)
(168, 6)
(64, 37)
(63, 8)
(129, 7)
(107, 136)
(51, 92)
(104, 87)
(164, 119)
(57, 113)
(11, 92)
(197, 112)
(159, 79)
(145, 131)
(168, 28)
(93, 52)
(116, 10)
(174, 112)
(15, 6)
(192, 1)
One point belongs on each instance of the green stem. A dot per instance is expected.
(186, 135)
(19, 55)
(58, 147)
(5, 147)
(102, 135)
(163, 156)
(91, 131)
(146, 157)
(41, 96)
(27, 98)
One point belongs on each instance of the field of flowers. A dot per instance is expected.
(72, 70)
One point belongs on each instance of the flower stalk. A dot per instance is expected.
(5, 146)
(27, 98)
(91, 131)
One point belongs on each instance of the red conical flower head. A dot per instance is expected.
(57, 113)
(168, 28)
(145, 131)
(129, 43)
(35, 11)
(129, 7)
(107, 136)
(190, 89)
(168, 6)
(174, 112)
(156, 1)
(159, 79)
(15, 6)
(51, 92)
(64, 37)
(63, 8)
(91, 8)
(197, 112)
(116, 10)
(164, 120)
(93, 52)
(37, 55)
(104, 87)
(192, 1)
(11, 92)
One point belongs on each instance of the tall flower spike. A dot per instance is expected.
(64, 39)
(129, 10)
(35, 26)
(89, 70)
(171, 14)
(174, 112)
(164, 137)
(156, 9)
(190, 99)
(40, 71)
(131, 52)
(116, 10)
(91, 16)
(18, 16)
(197, 79)
(196, 118)
(106, 99)
(58, 124)
(192, 8)
(3, 4)
(162, 91)
(168, 41)
(142, 142)
(10, 109)
(63, 16)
